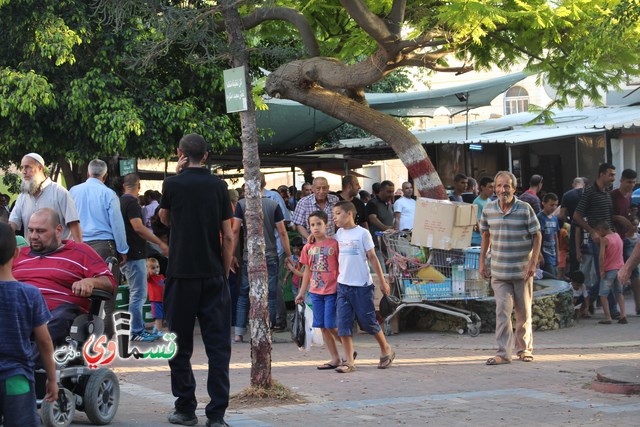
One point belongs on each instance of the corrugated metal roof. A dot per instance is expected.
(513, 129)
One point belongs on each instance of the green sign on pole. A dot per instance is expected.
(127, 166)
(235, 90)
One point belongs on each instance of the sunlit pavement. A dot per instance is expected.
(436, 379)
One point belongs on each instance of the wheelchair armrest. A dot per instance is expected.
(101, 295)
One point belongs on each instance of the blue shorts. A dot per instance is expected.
(356, 303)
(157, 310)
(324, 310)
(610, 282)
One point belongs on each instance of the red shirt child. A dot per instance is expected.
(155, 287)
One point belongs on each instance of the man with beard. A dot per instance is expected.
(512, 230)
(350, 191)
(66, 272)
(38, 191)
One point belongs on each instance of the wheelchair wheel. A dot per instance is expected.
(101, 396)
(59, 413)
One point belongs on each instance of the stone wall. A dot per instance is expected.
(552, 309)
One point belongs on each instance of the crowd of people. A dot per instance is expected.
(186, 249)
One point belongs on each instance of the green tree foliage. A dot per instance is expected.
(69, 88)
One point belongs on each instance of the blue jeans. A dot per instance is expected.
(136, 273)
(595, 289)
(242, 312)
(626, 252)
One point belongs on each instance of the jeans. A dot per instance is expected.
(243, 297)
(281, 311)
(136, 273)
(595, 289)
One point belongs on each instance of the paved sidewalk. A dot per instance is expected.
(436, 379)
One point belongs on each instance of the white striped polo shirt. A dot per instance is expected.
(511, 237)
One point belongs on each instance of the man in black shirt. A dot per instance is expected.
(135, 269)
(595, 205)
(380, 216)
(568, 205)
(350, 189)
(196, 205)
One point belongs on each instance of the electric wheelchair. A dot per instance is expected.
(96, 392)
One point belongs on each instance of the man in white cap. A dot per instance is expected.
(36, 192)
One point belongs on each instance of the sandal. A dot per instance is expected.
(385, 361)
(355, 355)
(326, 366)
(498, 360)
(525, 357)
(345, 368)
(604, 322)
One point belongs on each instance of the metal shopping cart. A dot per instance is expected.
(429, 278)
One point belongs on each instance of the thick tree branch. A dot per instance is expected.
(293, 16)
(369, 22)
(390, 130)
(396, 16)
(335, 75)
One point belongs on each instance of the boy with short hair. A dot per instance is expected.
(550, 228)
(580, 295)
(297, 269)
(155, 288)
(355, 285)
(23, 312)
(320, 259)
(611, 260)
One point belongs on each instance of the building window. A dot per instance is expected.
(516, 100)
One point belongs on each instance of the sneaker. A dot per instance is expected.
(143, 336)
(183, 418)
(216, 422)
(157, 333)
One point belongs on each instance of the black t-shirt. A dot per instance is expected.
(198, 203)
(130, 210)
(361, 210)
(383, 211)
(570, 201)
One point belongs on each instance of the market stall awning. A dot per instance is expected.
(289, 126)
(516, 128)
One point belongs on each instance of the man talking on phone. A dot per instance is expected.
(196, 206)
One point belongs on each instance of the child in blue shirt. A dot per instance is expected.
(22, 312)
(550, 228)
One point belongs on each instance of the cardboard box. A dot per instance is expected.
(442, 224)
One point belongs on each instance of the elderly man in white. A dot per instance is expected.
(37, 192)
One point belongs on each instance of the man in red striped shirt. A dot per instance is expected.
(66, 272)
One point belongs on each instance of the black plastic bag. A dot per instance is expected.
(298, 328)
(388, 305)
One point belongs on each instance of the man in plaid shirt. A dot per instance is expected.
(319, 200)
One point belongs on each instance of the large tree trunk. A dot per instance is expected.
(257, 268)
(291, 81)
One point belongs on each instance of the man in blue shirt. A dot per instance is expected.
(103, 228)
(281, 309)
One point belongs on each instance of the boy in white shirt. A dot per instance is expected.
(355, 285)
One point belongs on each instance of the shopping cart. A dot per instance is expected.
(429, 278)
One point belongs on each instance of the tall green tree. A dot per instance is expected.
(69, 92)
(581, 46)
